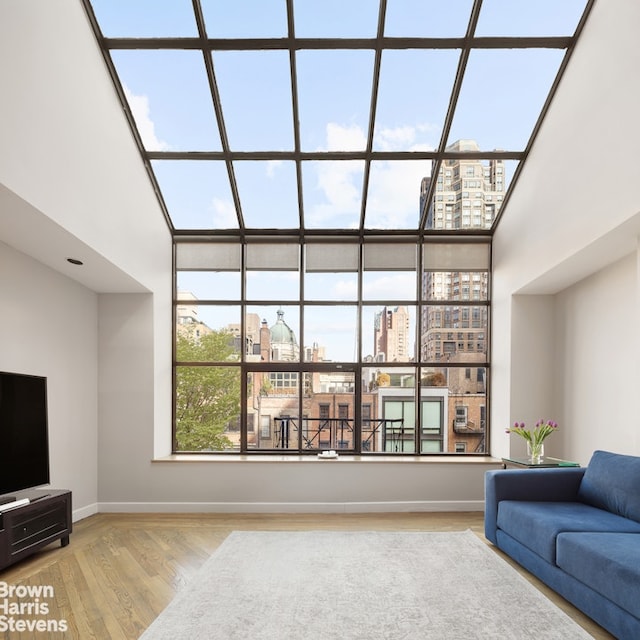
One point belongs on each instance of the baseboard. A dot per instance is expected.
(84, 512)
(289, 507)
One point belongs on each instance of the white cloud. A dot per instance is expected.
(341, 138)
(272, 167)
(224, 214)
(403, 138)
(393, 200)
(344, 290)
(340, 186)
(141, 111)
(394, 139)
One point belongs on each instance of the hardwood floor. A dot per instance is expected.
(121, 570)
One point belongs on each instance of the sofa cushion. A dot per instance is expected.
(536, 524)
(611, 482)
(609, 563)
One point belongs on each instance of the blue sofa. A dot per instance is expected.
(577, 530)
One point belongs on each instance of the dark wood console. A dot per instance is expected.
(25, 529)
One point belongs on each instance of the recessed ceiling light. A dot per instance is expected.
(74, 261)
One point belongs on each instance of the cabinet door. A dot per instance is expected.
(37, 523)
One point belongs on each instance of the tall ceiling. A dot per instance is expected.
(304, 117)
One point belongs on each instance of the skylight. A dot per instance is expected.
(308, 117)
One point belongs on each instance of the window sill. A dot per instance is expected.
(342, 458)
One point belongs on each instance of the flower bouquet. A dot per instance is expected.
(535, 437)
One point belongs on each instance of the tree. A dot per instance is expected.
(434, 379)
(207, 396)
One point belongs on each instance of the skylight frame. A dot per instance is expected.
(292, 45)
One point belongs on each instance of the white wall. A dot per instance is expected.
(533, 324)
(599, 360)
(49, 327)
(574, 213)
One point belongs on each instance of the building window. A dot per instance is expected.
(461, 416)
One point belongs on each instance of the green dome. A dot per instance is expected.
(281, 333)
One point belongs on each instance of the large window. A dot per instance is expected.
(299, 347)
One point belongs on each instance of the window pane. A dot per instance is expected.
(388, 410)
(393, 199)
(329, 410)
(409, 115)
(526, 76)
(463, 391)
(400, 424)
(434, 405)
(388, 333)
(455, 333)
(207, 333)
(332, 193)
(207, 408)
(268, 194)
(331, 286)
(273, 410)
(197, 193)
(168, 94)
(389, 285)
(247, 79)
(209, 285)
(331, 333)
(278, 334)
(469, 194)
(334, 89)
(273, 285)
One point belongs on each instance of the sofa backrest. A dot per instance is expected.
(612, 482)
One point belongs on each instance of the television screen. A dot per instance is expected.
(24, 443)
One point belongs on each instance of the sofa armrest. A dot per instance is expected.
(536, 485)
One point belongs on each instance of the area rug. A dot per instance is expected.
(323, 585)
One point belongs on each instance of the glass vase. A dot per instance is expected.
(535, 452)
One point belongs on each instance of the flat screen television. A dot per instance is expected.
(24, 433)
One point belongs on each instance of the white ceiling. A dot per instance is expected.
(28, 230)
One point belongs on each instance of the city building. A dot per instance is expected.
(468, 193)
(392, 335)
(188, 323)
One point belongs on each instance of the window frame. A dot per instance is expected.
(442, 252)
